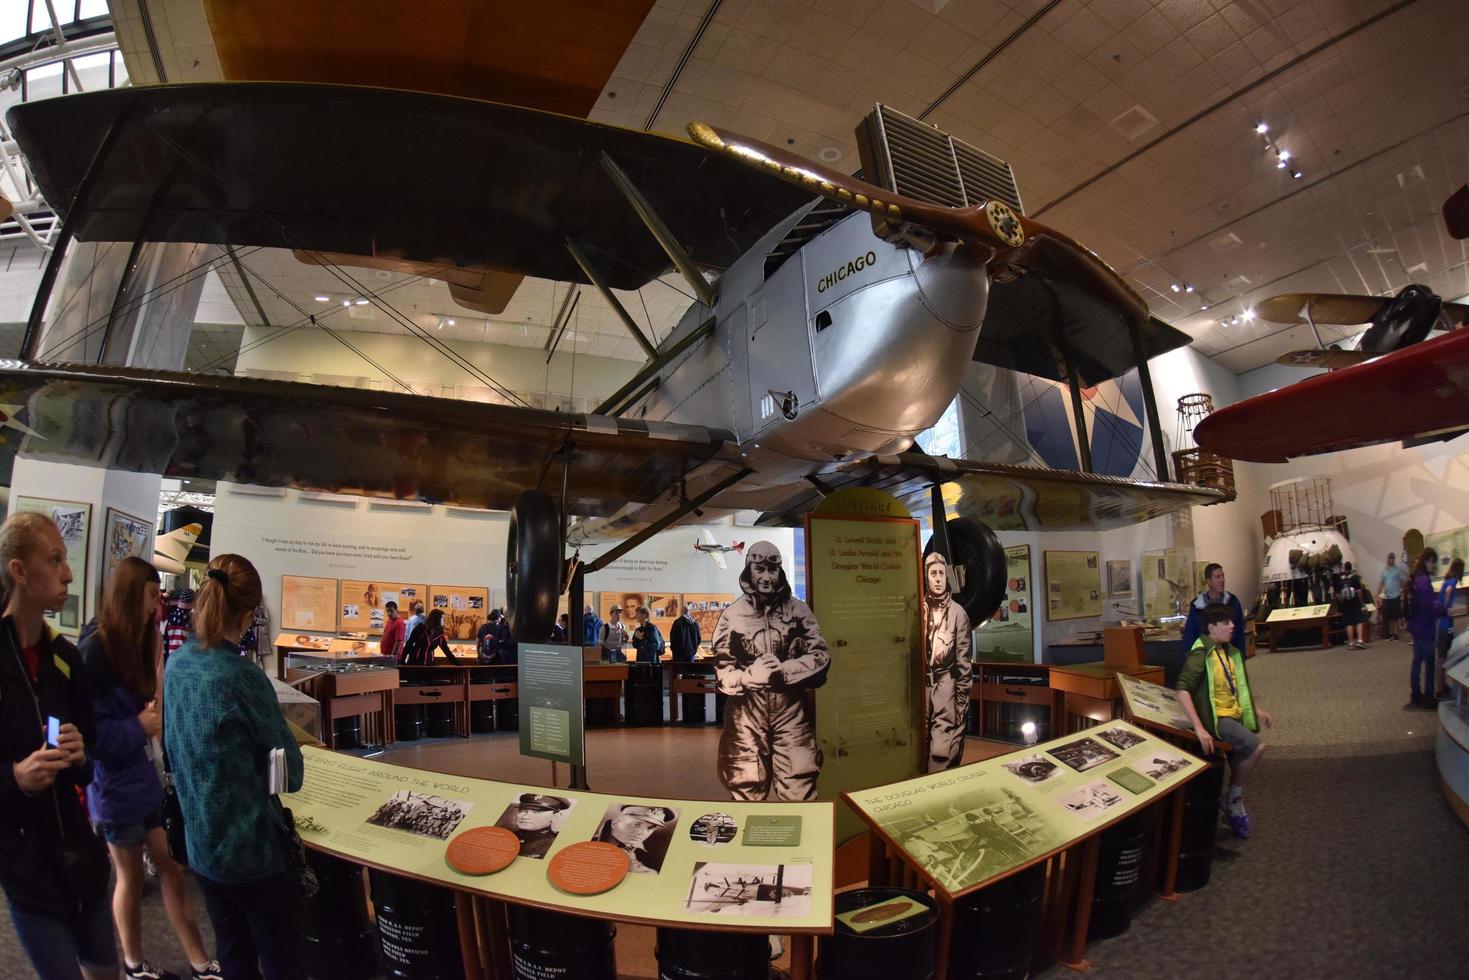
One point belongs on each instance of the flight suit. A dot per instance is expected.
(768, 749)
(946, 626)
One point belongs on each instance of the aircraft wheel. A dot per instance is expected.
(981, 567)
(533, 567)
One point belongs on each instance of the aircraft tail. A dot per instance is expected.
(739, 547)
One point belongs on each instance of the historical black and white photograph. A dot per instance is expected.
(1161, 765)
(421, 813)
(1120, 737)
(1083, 754)
(713, 829)
(750, 890)
(1092, 800)
(536, 819)
(1034, 768)
(642, 830)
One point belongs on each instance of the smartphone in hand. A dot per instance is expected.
(53, 731)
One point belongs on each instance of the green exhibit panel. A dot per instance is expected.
(1091, 819)
(1154, 706)
(773, 873)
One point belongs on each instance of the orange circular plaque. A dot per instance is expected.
(482, 850)
(588, 868)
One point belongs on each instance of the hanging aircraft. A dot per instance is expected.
(1394, 323)
(833, 318)
(717, 551)
(171, 550)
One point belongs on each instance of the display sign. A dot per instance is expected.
(364, 604)
(1167, 585)
(1119, 579)
(308, 603)
(1153, 703)
(550, 687)
(125, 536)
(863, 584)
(1010, 633)
(967, 826)
(402, 820)
(706, 608)
(466, 609)
(1296, 613)
(1073, 585)
(1449, 545)
(74, 521)
(663, 609)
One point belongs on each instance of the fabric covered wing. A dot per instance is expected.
(489, 186)
(341, 440)
(1004, 496)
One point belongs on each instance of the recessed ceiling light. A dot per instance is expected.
(829, 154)
(346, 302)
(1249, 313)
(1261, 128)
(360, 302)
(450, 321)
(323, 299)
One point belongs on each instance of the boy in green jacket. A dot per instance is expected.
(1213, 685)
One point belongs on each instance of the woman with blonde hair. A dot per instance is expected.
(53, 869)
(221, 722)
(123, 657)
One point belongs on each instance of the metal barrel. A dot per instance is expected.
(408, 722)
(688, 954)
(1200, 822)
(417, 928)
(557, 946)
(440, 720)
(1119, 863)
(994, 928)
(643, 694)
(481, 717)
(335, 924)
(902, 948)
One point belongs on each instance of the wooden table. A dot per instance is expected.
(688, 677)
(1090, 692)
(991, 694)
(1323, 623)
(345, 695)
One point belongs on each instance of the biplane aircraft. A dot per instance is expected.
(833, 319)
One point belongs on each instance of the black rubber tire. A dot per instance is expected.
(532, 567)
(974, 546)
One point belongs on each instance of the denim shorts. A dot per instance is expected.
(128, 834)
(1242, 741)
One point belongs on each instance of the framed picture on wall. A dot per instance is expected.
(1119, 579)
(1009, 633)
(124, 536)
(74, 520)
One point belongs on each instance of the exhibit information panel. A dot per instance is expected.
(1296, 613)
(466, 608)
(864, 592)
(364, 604)
(1009, 633)
(308, 603)
(726, 865)
(549, 683)
(969, 825)
(1073, 585)
(1153, 703)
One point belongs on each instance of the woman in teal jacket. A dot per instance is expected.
(221, 721)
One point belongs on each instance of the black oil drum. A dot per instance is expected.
(481, 717)
(417, 928)
(643, 695)
(348, 732)
(556, 946)
(1119, 863)
(440, 720)
(408, 722)
(903, 948)
(507, 715)
(693, 710)
(1200, 823)
(688, 954)
(601, 712)
(994, 928)
(334, 922)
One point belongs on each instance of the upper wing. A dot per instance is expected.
(1004, 496)
(492, 186)
(1054, 306)
(1324, 358)
(1324, 308)
(342, 440)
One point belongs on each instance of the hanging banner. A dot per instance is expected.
(862, 554)
(1010, 633)
(550, 688)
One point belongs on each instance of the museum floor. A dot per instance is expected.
(1355, 867)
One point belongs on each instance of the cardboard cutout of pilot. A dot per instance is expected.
(947, 640)
(768, 649)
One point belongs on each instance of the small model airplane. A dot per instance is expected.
(833, 319)
(1404, 319)
(716, 550)
(171, 550)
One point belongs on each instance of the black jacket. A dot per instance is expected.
(685, 639)
(50, 861)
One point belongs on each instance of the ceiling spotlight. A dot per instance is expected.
(346, 302)
(1280, 164)
(1297, 174)
(1261, 128)
(360, 302)
(1285, 154)
(1249, 313)
(323, 299)
(1176, 287)
(1234, 320)
(1203, 306)
(1187, 288)
(451, 321)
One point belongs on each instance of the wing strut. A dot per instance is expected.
(1150, 403)
(612, 301)
(619, 400)
(684, 509)
(676, 253)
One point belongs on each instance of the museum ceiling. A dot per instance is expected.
(1130, 124)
